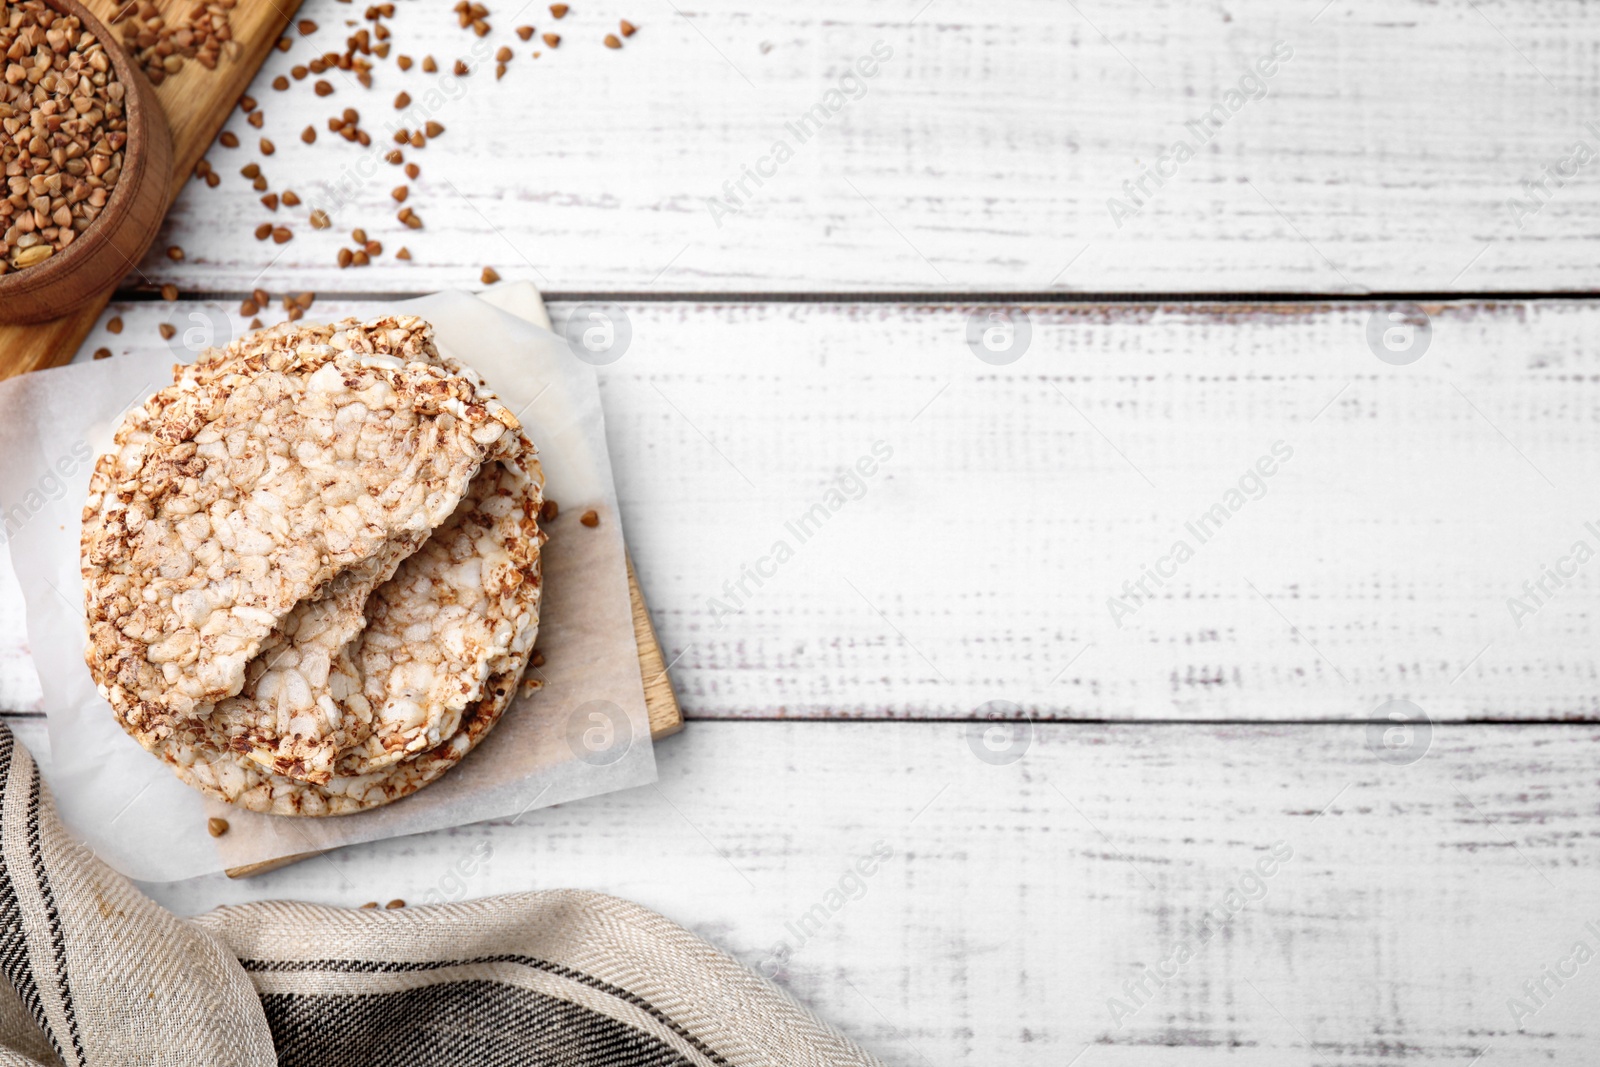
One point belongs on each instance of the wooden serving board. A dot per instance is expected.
(197, 102)
(666, 717)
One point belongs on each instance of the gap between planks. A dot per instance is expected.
(935, 297)
(659, 730)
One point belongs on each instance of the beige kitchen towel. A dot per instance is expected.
(96, 973)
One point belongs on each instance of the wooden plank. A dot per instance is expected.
(196, 101)
(977, 564)
(981, 562)
(980, 157)
(1020, 898)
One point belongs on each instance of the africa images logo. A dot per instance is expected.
(999, 336)
(1399, 334)
(598, 334)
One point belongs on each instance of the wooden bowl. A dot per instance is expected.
(115, 242)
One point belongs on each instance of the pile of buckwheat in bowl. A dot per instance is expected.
(63, 128)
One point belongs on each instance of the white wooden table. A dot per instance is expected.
(1075, 887)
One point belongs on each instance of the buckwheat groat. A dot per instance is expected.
(310, 563)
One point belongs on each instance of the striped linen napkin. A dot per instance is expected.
(96, 973)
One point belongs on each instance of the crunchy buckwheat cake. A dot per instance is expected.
(311, 566)
(202, 763)
(463, 608)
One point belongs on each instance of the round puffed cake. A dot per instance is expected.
(311, 567)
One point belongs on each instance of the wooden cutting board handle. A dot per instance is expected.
(197, 102)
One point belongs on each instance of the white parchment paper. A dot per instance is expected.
(585, 732)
